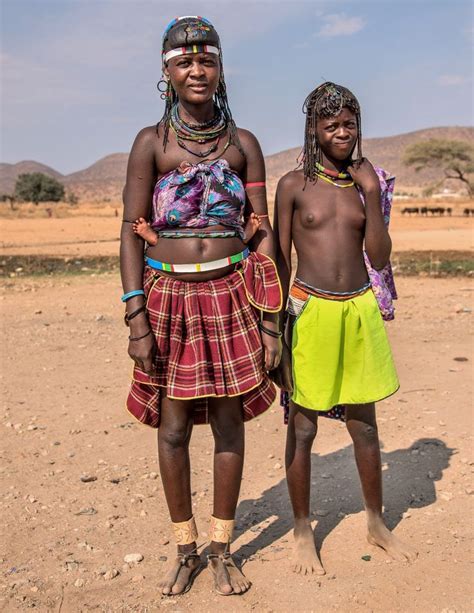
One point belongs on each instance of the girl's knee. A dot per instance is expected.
(363, 432)
(305, 431)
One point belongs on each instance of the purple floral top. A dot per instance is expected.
(197, 196)
(383, 284)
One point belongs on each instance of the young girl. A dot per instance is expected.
(340, 357)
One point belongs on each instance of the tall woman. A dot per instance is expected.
(201, 305)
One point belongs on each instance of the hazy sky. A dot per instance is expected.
(79, 76)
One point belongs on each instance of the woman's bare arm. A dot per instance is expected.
(137, 194)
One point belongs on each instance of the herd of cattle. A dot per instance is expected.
(436, 210)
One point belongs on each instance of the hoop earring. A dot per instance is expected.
(164, 93)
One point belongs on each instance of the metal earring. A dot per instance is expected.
(164, 93)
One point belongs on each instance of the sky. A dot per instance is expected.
(79, 77)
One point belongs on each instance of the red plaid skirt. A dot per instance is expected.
(208, 341)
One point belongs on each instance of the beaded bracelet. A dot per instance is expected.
(273, 333)
(139, 338)
(135, 292)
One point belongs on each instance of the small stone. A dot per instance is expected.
(469, 491)
(154, 475)
(88, 478)
(429, 542)
(270, 456)
(446, 496)
(38, 312)
(366, 558)
(32, 499)
(86, 511)
(143, 513)
(461, 359)
(431, 474)
(164, 541)
(418, 588)
(34, 589)
(406, 515)
(325, 476)
(133, 558)
(277, 466)
(32, 427)
(137, 578)
(79, 582)
(321, 513)
(111, 574)
(163, 558)
(108, 524)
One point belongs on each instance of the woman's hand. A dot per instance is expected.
(143, 351)
(364, 175)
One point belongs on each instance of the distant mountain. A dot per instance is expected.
(10, 172)
(386, 152)
(104, 180)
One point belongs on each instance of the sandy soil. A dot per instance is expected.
(91, 230)
(64, 374)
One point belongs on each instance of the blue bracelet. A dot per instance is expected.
(128, 295)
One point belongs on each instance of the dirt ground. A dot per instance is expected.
(65, 373)
(94, 230)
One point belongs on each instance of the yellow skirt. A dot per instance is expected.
(340, 351)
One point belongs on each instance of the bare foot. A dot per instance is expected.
(142, 228)
(378, 534)
(253, 224)
(306, 558)
(228, 579)
(180, 576)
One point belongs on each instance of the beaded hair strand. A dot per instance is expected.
(220, 98)
(326, 101)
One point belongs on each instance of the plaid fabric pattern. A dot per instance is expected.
(208, 342)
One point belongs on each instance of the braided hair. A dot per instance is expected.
(324, 102)
(181, 32)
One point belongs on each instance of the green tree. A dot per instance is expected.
(38, 187)
(454, 158)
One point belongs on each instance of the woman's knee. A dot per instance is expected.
(175, 434)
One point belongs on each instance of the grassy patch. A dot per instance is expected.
(409, 263)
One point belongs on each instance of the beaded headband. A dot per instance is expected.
(190, 49)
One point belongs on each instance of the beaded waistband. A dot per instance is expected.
(301, 290)
(201, 267)
(197, 234)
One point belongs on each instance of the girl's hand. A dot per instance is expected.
(282, 375)
(364, 175)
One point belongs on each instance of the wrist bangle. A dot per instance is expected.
(135, 292)
(139, 338)
(128, 317)
(269, 332)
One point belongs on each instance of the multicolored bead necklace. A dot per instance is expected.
(201, 133)
(331, 176)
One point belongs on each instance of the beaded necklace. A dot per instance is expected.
(201, 133)
(332, 173)
(333, 182)
(331, 176)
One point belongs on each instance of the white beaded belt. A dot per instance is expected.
(202, 267)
